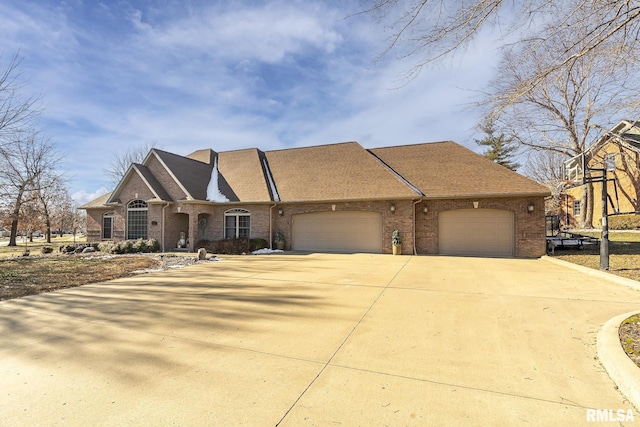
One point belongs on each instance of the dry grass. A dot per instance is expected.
(624, 255)
(21, 276)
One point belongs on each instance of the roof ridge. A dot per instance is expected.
(313, 146)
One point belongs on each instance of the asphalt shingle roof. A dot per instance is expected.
(192, 174)
(242, 172)
(447, 169)
(343, 171)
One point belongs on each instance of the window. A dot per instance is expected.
(107, 226)
(237, 223)
(576, 208)
(610, 162)
(137, 220)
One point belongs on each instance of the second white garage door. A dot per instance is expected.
(476, 232)
(338, 231)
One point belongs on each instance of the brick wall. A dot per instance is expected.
(401, 219)
(529, 227)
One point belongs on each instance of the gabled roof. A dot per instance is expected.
(334, 172)
(344, 171)
(242, 176)
(628, 135)
(447, 169)
(192, 176)
(147, 177)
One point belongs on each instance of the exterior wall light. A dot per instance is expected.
(476, 204)
(425, 210)
(530, 208)
(392, 208)
(280, 211)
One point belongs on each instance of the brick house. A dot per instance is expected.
(444, 199)
(619, 147)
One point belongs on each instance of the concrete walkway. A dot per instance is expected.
(316, 340)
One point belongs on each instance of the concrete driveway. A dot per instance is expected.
(316, 340)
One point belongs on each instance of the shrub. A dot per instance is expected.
(624, 222)
(46, 249)
(153, 245)
(129, 246)
(227, 246)
(255, 244)
(139, 246)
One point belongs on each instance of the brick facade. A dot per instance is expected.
(206, 220)
(529, 227)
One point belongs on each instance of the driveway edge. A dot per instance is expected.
(624, 373)
(634, 284)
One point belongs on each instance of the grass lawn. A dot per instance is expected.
(624, 254)
(35, 247)
(30, 275)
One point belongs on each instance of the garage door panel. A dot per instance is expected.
(476, 232)
(340, 231)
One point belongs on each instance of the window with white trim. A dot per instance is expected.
(107, 226)
(137, 220)
(237, 223)
(576, 208)
(610, 162)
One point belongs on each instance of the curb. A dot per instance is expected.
(624, 373)
(630, 283)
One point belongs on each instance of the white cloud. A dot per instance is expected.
(81, 197)
(266, 33)
(227, 76)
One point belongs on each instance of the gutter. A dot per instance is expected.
(415, 250)
(163, 224)
(271, 225)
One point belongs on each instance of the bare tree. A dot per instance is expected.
(556, 115)
(429, 30)
(22, 168)
(51, 191)
(17, 111)
(122, 160)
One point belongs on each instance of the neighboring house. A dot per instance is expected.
(444, 199)
(620, 147)
(4, 232)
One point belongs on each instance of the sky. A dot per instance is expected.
(184, 75)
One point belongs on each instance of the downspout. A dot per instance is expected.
(271, 225)
(163, 223)
(415, 251)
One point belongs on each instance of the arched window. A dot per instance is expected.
(107, 226)
(137, 220)
(237, 223)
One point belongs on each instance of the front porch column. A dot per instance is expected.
(193, 231)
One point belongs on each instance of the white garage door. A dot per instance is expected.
(476, 232)
(338, 231)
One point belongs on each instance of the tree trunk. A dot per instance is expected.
(14, 231)
(15, 216)
(589, 214)
(586, 206)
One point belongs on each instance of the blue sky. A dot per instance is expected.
(192, 74)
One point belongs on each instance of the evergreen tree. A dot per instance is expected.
(500, 148)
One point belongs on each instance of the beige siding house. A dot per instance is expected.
(621, 148)
(444, 199)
